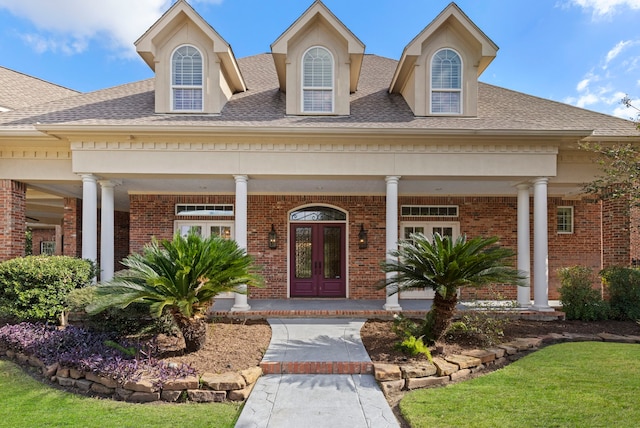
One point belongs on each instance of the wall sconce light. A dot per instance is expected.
(273, 238)
(362, 238)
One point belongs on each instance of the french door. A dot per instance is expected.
(428, 229)
(318, 261)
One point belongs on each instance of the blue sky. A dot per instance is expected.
(582, 52)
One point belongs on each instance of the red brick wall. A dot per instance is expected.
(635, 235)
(40, 235)
(616, 248)
(121, 238)
(12, 219)
(72, 227)
(153, 215)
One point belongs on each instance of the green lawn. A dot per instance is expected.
(587, 384)
(25, 402)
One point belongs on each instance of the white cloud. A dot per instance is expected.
(603, 86)
(605, 7)
(615, 51)
(68, 26)
(582, 85)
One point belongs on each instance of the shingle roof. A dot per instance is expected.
(20, 90)
(372, 107)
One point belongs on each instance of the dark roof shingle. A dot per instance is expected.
(372, 106)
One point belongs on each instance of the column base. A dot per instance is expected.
(542, 308)
(391, 307)
(240, 308)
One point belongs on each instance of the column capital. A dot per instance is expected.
(523, 186)
(541, 180)
(88, 177)
(392, 178)
(241, 178)
(109, 183)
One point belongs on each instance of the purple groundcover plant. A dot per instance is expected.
(88, 351)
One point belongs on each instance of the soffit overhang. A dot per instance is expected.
(71, 132)
(452, 16)
(317, 11)
(146, 45)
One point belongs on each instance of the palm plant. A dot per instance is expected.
(445, 265)
(182, 277)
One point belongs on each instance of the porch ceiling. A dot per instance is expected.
(45, 205)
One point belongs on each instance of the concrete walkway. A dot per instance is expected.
(339, 400)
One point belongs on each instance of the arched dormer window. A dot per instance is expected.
(446, 82)
(317, 81)
(186, 79)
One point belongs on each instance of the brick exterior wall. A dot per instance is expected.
(121, 238)
(72, 227)
(616, 236)
(40, 235)
(12, 219)
(154, 215)
(635, 235)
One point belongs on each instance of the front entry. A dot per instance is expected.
(318, 260)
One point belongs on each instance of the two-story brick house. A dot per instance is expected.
(316, 157)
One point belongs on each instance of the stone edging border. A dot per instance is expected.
(394, 379)
(209, 387)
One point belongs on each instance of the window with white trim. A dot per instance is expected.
(565, 220)
(48, 248)
(446, 82)
(186, 79)
(317, 81)
(206, 229)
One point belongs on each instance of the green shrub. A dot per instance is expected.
(484, 328)
(624, 292)
(135, 319)
(411, 341)
(580, 301)
(35, 288)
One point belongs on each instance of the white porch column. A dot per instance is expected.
(392, 303)
(524, 255)
(240, 303)
(89, 218)
(540, 246)
(107, 231)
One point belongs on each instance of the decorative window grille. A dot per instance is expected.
(317, 81)
(206, 210)
(429, 211)
(186, 79)
(446, 82)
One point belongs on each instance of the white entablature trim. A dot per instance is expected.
(17, 153)
(318, 148)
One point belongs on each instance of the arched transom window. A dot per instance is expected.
(186, 79)
(446, 82)
(317, 81)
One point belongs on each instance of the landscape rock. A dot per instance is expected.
(189, 382)
(224, 381)
(386, 372)
(206, 396)
(443, 367)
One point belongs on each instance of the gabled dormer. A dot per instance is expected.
(318, 61)
(195, 69)
(438, 72)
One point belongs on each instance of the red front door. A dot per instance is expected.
(318, 264)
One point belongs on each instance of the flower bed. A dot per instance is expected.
(95, 364)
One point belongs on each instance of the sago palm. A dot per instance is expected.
(182, 277)
(445, 265)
